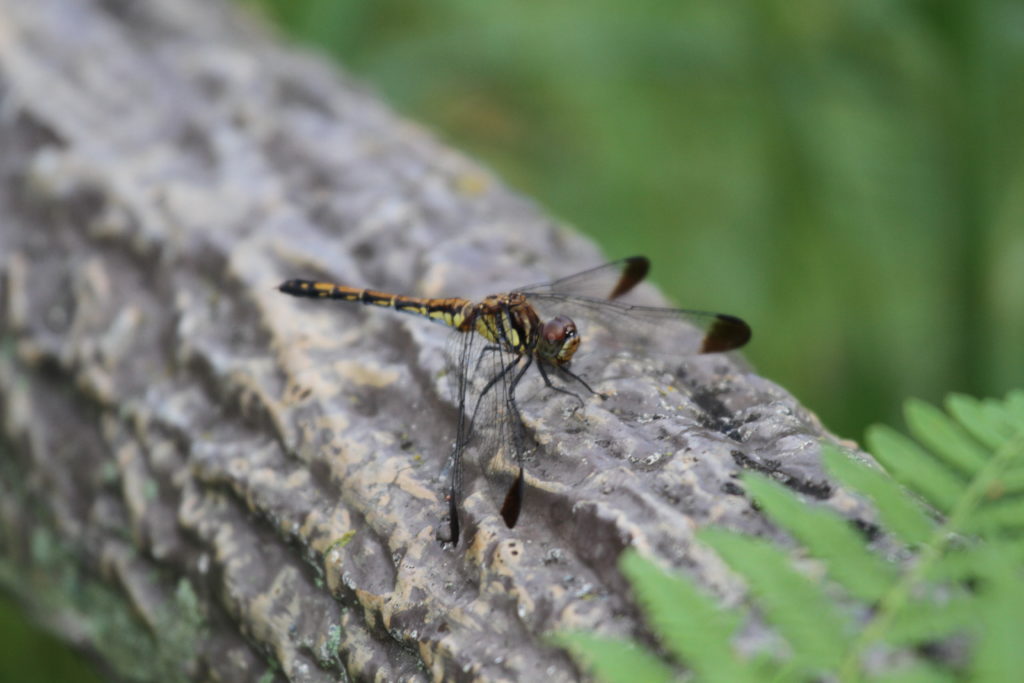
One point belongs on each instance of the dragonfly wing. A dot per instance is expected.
(609, 281)
(460, 349)
(594, 295)
(491, 441)
(608, 327)
(504, 440)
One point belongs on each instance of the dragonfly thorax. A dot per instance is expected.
(510, 320)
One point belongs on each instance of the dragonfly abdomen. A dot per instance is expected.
(451, 312)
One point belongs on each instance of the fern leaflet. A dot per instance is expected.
(940, 596)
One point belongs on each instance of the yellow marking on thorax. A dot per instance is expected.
(485, 328)
(511, 332)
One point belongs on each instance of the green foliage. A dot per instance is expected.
(618, 661)
(33, 654)
(56, 590)
(844, 174)
(938, 597)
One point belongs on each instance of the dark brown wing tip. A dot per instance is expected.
(727, 333)
(633, 273)
(513, 501)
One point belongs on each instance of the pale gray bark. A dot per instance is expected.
(201, 477)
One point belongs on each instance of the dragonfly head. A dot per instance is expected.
(559, 340)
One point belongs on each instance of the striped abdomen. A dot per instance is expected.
(451, 312)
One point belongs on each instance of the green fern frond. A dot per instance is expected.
(987, 421)
(691, 624)
(615, 661)
(818, 632)
(950, 569)
(828, 537)
(944, 437)
(899, 513)
(914, 467)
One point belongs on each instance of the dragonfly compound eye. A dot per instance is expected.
(560, 339)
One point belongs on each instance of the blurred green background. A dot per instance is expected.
(31, 655)
(847, 176)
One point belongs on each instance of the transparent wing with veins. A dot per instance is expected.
(609, 324)
(491, 437)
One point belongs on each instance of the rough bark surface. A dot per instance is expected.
(203, 478)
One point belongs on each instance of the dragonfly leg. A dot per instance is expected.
(490, 348)
(510, 394)
(490, 385)
(550, 384)
(582, 381)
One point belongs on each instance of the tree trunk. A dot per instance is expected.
(204, 478)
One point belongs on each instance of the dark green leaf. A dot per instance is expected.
(1012, 481)
(918, 672)
(945, 438)
(899, 513)
(924, 621)
(971, 561)
(987, 421)
(999, 622)
(915, 468)
(996, 517)
(615, 661)
(1015, 406)
(688, 622)
(827, 536)
(797, 605)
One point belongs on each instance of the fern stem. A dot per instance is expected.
(896, 597)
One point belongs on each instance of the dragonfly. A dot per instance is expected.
(498, 339)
